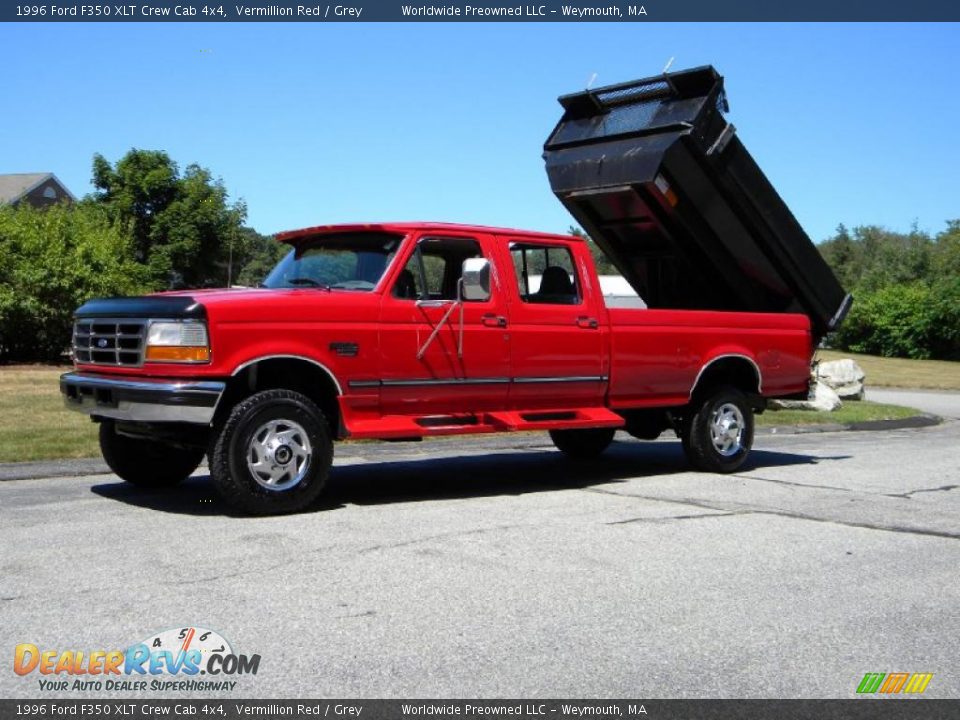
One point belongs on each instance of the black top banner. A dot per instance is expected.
(487, 11)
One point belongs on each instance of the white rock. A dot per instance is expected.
(844, 376)
(824, 399)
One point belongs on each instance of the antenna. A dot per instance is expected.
(591, 81)
(667, 66)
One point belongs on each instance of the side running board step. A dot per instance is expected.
(395, 427)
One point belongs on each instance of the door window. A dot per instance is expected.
(545, 274)
(434, 269)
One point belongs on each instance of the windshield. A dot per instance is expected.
(347, 261)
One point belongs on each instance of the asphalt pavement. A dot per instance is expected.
(494, 567)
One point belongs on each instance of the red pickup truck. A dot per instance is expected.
(401, 331)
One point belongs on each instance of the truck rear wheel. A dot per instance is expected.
(719, 434)
(583, 444)
(273, 454)
(146, 463)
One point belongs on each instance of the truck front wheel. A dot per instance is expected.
(718, 435)
(146, 463)
(273, 454)
(583, 444)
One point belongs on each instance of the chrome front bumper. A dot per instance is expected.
(143, 399)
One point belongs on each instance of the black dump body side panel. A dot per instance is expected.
(657, 177)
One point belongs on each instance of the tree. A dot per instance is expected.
(261, 253)
(872, 257)
(182, 226)
(52, 261)
(945, 263)
(842, 253)
(604, 265)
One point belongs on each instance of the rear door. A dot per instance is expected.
(557, 329)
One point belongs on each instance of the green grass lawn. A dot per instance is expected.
(851, 412)
(900, 372)
(34, 425)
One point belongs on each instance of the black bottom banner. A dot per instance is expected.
(857, 709)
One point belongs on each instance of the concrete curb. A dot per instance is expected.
(52, 468)
(56, 468)
(914, 421)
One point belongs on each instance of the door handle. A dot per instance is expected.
(588, 322)
(491, 320)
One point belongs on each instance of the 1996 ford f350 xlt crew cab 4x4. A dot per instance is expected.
(402, 331)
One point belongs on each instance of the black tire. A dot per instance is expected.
(297, 477)
(718, 435)
(146, 463)
(583, 444)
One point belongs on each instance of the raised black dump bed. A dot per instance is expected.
(655, 174)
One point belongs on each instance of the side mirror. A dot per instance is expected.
(476, 279)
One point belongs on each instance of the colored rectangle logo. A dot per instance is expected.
(894, 683)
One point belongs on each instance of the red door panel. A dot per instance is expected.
(420, 376)
(558, 334)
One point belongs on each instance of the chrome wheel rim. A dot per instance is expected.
(278, 455)
(726, 430)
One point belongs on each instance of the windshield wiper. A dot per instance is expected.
(309, 282)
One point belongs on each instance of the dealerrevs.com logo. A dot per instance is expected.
(172, 660)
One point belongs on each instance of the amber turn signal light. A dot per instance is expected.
(174, 353)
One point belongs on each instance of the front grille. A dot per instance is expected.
(98, 341)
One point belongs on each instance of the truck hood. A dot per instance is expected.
(230, 305)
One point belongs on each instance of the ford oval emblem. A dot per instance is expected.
(102, 343)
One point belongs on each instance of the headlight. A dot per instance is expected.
(177, 342)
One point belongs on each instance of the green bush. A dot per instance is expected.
(52, 261)
(906, 291)
(913, 320)
(945, 299)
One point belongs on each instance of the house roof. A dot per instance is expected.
(15, 185)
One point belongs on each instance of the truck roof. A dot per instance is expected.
(407, 227)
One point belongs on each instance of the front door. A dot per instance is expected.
(440, 356)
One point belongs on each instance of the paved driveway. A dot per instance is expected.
(496, 568)
(937, 402)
